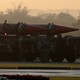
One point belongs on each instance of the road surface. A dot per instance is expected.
(42, 72)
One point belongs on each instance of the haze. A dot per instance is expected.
(40, 4)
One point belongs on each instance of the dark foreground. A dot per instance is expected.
(22, 77)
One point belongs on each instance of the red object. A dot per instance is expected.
(62, 29)
(34, 29)
(57, 29)
(21, 28)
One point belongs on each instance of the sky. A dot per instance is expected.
(40, 4)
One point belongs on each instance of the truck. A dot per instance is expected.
(28, 42)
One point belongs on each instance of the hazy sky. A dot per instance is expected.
(40, 4)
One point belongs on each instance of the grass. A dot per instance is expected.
(64, 78)
(59, 65)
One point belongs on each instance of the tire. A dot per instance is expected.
(44, 56)
(56, 58)
(30, 54)
(71, 54)
(71, 59)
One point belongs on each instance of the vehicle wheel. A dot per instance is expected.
(30, 58)
(71, 54)
(71, 59)
(57, 58)
(44, 56)
(30, 54)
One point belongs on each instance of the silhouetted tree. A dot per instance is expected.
(18, 14)
(65, 19)
(21, 14)
(1, 17)
(77, 25)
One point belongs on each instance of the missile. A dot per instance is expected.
(20, 28)
(34, 29)
(57, 29)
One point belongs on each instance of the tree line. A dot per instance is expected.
(20, 14)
